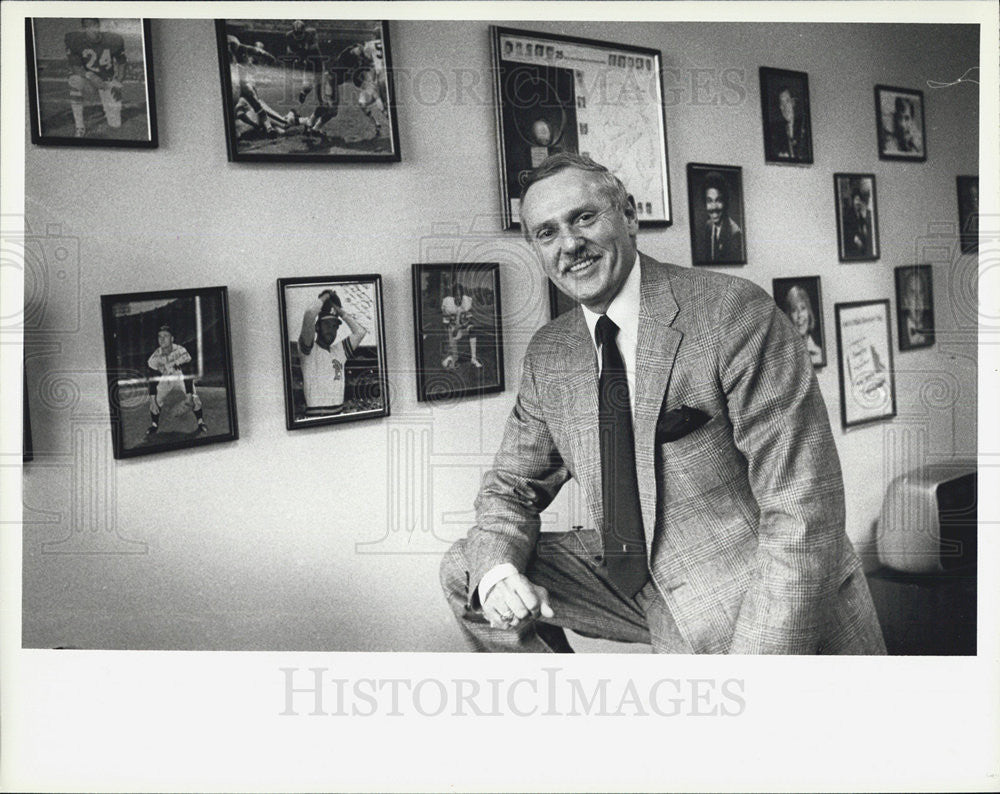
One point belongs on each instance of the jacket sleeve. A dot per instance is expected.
(780, 424)
(527, 474)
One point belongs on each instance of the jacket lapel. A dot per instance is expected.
(655, 352)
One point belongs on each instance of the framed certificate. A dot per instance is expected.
(864, 352)
(564, 94)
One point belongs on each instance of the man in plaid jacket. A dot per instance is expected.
(741, 493)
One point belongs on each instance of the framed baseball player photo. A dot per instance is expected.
(559, 93)
(459, 340)
(90, 82)
(170, 369)
(333, 349)
(308, 90)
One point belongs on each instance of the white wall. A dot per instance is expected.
(329, 539)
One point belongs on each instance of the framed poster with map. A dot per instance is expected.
(564, 94)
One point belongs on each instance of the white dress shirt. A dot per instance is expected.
(623, 312)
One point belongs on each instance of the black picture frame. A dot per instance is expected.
(914, 306)
(359, 386)
(967, 188)
(553, 93)
(785, 93)
(27, 448)
(283, 79)
(864, 358)
(801, 299)
(87, 91)
(856, 203)
(559, 301)
(727, 246)
(450, 339)
(196, 378)
(899, 120)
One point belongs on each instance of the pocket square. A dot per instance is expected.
(675, 424)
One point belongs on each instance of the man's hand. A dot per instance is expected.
(515, 599)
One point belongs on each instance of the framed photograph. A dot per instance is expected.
(864, 353)
(715, 201)
(564, 94)
(456, 311)
(899, 116)
(857, 217)
(784, 104)
(304, 91)
(27, 448)
(90, 82)
(333, 349)
(559, 301)
(800, 298)
(170, 369)
(968, 213)
(914, 306)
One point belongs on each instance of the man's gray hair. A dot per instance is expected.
(608, 183)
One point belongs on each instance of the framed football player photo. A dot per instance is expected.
(914, 306)
(457, 328)
(864, 355)
(169, 369)
(333, 349)
(715, 201)
(899, 116)
(90, 82)
(784, 100)
(857, 217)
(308, 90)
(800, 298)
(559, 93)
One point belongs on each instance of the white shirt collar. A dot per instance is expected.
(623, 309)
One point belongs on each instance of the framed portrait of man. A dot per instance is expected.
(715, 201)
(864, 356)
(784, 102)
(170, 369)
(308, 90)
(857, 217)
(333, 349)
(968, 213)
(801, 300)
(457, 329)
(90, 82)
(914, 306)
(899, 116)
(565, 94)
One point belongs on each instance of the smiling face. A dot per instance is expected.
(586, 245)
(165, 339)
(799, 310)
(715, 204)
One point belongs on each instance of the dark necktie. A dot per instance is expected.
(624, 540)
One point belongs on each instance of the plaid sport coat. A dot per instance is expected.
(744, 517)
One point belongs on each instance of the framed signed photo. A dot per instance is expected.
(559, 301)
(170, 369)
(857, 217)
(563, 94)
(333, 349)
(715, 201)
(304, 91)
(459, 341)
(914, 306)
(899, 115)
(968, 213)
(784, 103)
(800, 298)
(90, 82)
(864, 354)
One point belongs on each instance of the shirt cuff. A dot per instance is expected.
(492, 576)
